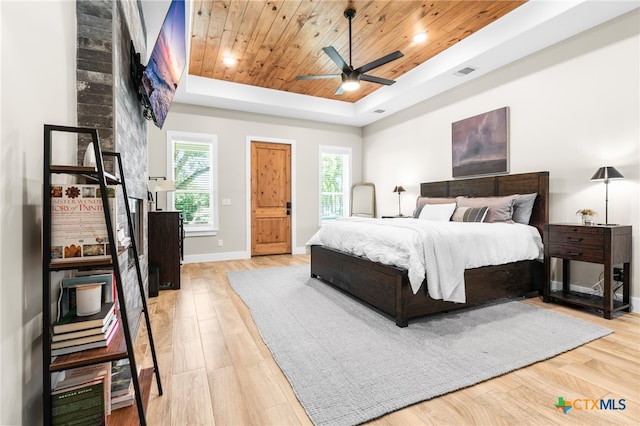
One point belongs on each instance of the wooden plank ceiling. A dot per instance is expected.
(276, 40)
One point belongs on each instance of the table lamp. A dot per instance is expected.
(160, 184)
(605, 173)
(399, 189)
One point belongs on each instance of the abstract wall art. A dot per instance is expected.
(480, 144)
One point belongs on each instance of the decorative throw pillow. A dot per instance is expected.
(470, 214)
(440, 212)
(523, 207)
(500, 208)
(422, 201)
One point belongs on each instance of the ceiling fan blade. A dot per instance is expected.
(378, 80)
(381, 61)
(335, 57)
(316, 77)
(349, 75)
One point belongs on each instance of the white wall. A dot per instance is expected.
(37, 84)
(232, 129)
(573, 108)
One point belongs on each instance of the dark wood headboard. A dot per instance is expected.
(521, 183)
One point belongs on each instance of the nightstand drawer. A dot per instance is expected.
(584, 253)
(577, 236)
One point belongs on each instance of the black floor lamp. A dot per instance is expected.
(606, 173)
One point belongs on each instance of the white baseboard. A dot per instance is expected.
(557, 285)
(300, 250)
(216, 257)
(231, 255)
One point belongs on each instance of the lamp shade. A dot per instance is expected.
(165, 186)
(607, 172)
(399, 188)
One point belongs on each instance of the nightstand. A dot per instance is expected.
(608, 245)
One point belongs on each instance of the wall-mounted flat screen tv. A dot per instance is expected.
(167, 62)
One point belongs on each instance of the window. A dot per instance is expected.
(193, 166)
(335, 182)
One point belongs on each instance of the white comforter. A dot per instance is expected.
(439, 251)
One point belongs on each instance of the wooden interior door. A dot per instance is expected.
(270, 198)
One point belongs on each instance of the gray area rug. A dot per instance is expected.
(349, 364)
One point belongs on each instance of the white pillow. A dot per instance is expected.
(441, 212)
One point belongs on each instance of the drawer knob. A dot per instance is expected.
(573, 253)
(574, 240)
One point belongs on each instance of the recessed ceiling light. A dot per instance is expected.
(229, 60)
(420, 37)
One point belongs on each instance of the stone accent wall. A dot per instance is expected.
(131, 127)
(94, 72)
(107, 100)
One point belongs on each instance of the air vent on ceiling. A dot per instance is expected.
(379, 111)
(465, 71)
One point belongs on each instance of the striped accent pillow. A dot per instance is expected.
(470, 214)
(500, 208)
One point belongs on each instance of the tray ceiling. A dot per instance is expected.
(273, 41)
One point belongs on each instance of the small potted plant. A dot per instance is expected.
(587, 216)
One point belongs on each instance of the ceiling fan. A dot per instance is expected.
(351, 77)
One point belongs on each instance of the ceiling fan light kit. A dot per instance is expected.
(350, 83)
(351, 77)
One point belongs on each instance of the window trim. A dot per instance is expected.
(335, 149)
(208, 138)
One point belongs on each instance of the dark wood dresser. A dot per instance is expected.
(166, 246)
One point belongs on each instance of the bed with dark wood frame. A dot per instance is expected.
(387, 287)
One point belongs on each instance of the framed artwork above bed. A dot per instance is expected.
(480, 144)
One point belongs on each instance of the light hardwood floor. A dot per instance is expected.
(216, 370)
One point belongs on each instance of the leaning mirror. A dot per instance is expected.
(363, 200)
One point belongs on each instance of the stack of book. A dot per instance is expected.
(82, 395)
(74, 333)
(86, 395)
(122, 393)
